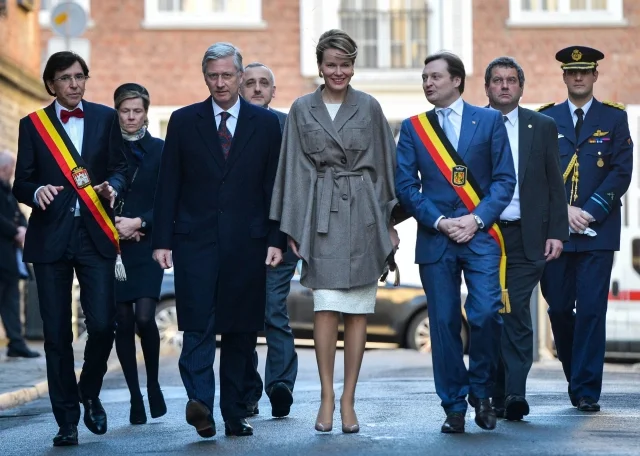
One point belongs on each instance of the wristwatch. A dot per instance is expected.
(478, 221)
(143, 223)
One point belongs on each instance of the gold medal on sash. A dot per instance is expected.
(600, 163)
(81, 177)
(459, 175)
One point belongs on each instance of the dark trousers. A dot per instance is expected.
(282, 359)
(441, 281)
(579, 281)
(516, 354)
(10, 311)
(196, 368)
(96, 276)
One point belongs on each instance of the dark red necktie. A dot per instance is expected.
(66, 115)
(224, 134)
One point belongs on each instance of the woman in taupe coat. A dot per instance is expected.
(333, 195)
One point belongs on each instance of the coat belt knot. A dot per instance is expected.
(324, 211)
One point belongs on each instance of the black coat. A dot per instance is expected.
(102, 152)
(10, 219)
(144, 275)
(214, 215)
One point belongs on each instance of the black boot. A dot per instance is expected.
(157, 406)
(137, 414)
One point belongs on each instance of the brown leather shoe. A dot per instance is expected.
(199, 416)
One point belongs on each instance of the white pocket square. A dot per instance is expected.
(560, 135)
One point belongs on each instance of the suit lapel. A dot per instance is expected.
(591, 121)
(564, 122)
(525, 139)
(89, 129)
(468, 128)
(206, 126)
(242, 135)
(347, 110)
(319, 112)
(51, 112)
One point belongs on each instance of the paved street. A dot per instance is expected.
(398, 410)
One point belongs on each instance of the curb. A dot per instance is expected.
(22, 396)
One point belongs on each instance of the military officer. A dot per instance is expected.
(596, 154)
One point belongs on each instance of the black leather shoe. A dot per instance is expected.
(199, 416)
(281, 400)
(157, 405)
(238, 428)
(95, 418)
(137, 414)
(21, 351)
(252, 410)
(498, 407)
(572, 398)
(66, 436)
(516, 407)
(485, 415)
(588, 404)
(454, 424)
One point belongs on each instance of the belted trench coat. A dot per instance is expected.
(334, 189)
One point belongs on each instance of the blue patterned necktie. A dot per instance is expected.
(447, 126)
(224, 134)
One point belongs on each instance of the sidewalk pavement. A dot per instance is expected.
(24, 380)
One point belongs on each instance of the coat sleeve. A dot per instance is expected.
(118, 166)
(7, 227)
(275, 237)
(408, 185)
(558, 215)
(503, 176)
(609, 192)
(167, 188)
(385, 184)
(26, 177)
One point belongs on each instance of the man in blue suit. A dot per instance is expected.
(467, 179)
(211, 217)
(594, 137)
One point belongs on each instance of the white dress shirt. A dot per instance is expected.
(512, 211)
(232, 120)
(572, 110)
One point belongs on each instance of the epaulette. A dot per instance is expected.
(545, 106)
(614, 105)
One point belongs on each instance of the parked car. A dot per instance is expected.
(400, 318)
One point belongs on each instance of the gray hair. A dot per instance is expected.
(6, 158)
(504, 62)
(262, 65)
(219, 51)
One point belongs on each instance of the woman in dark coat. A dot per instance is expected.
(137, 296)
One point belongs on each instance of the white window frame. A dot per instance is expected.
(44, 16)
(156, 19)
(565, 17)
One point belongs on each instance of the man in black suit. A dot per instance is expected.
(211, 219)
(534, 226)
(281, 368)
(13, 226)
(70, 167)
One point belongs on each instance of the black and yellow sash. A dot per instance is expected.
(70, 163)
(459, 176)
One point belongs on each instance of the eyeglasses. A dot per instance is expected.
(66, 79)
(224, 76)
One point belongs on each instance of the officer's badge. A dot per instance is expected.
(576, 55)
(81, 177)
(599, 133)
(459, 175)
(600, 163)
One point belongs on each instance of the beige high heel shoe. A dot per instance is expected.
(324, 426)
(349, 428)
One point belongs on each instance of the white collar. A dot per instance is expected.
(585, 108)
(457, 106)
(234, 110)
(512, 117)
(60, 108)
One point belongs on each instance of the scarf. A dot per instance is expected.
(138, 135)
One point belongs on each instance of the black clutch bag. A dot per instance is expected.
(399, 215)
(391, 265)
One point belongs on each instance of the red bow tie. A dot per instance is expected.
(66, 115)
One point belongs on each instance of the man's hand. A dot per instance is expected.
(274, 257)
(395, 239)
(293, 246)
(463, 229)
(106, 191)
(127, 227)
(578, 221)
(163, 257)
(552, 249)
(19, 237)
(136, 236)
(45, 195)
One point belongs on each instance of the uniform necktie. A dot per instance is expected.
(224, 134)
(580, 113)
(505, 119)
(447, 126)
(66, 115)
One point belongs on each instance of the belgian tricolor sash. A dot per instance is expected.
(70, 163)
(459, 176)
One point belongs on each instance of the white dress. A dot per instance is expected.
(357, 300)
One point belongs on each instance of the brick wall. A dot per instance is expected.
(168, 62)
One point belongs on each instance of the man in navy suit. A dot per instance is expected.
(463, 157)
(593, 136)
(211, 219)
(281, 368)
(71, 229)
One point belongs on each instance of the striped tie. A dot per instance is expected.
(224, 134)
